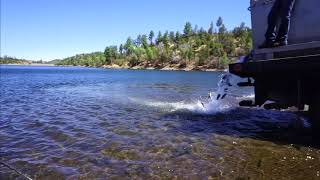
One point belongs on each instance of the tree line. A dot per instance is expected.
(13, 60)
(211, 48)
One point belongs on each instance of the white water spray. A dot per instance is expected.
(216, 101)
(194, 106)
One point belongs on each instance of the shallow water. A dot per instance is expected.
(87, 123)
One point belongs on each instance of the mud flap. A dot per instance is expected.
(315, 119)
(260, 92)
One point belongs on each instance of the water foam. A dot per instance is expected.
(246, 97)
(210, 105)
(194, 106)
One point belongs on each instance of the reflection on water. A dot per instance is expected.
(73, 123)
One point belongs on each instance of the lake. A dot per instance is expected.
(88, 123)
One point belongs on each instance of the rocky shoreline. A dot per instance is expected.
(165, 68)
(115, 66)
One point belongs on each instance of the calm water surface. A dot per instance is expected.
(86, 123)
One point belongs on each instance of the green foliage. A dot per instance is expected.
(151, 36)
(111, 53)
(121, 49)
(243, 35)
(188, 29)
(194, 47)
(55, 61)
(223, 61)
(159, 38)
(120, 62)
(95, 59)
(144, 41)
(186, 52)
(172, 36)
(203, 54)
(151, 54)
(129, 46)
(210, 31)
(13, 60)
(165, 39)
(219, 22)
(178, 36)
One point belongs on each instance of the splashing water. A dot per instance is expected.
(194, 106)
(216, 102)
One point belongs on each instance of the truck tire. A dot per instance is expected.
(315, 119)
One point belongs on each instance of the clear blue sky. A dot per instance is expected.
(50, 29)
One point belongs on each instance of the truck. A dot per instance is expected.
(289, 75)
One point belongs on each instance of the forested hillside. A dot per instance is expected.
(13, 60)
(196, 48)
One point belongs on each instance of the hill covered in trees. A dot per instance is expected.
(13, 60)
(95, 59)
(195, 49)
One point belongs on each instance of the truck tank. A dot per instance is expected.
(305, 26)
(304, 35)
(287, 75)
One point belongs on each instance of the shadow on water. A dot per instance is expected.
(278, 127)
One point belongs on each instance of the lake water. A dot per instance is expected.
(87, 123)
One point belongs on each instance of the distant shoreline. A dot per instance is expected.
(187, 69)
(32, 64)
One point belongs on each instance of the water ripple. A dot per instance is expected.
(77, 123)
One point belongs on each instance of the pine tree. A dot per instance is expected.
(210, 31)
(219, 22)
(178, 36)
(110, 53)
(129, 46)
(187, 29)
(166, 38)
(121, 49)
(144, 41)
(138, 41)
(151, 36)
(159, 38)
(195, 30)
(172, 36)
(222, 29)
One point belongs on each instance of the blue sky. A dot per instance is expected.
(50, 29)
